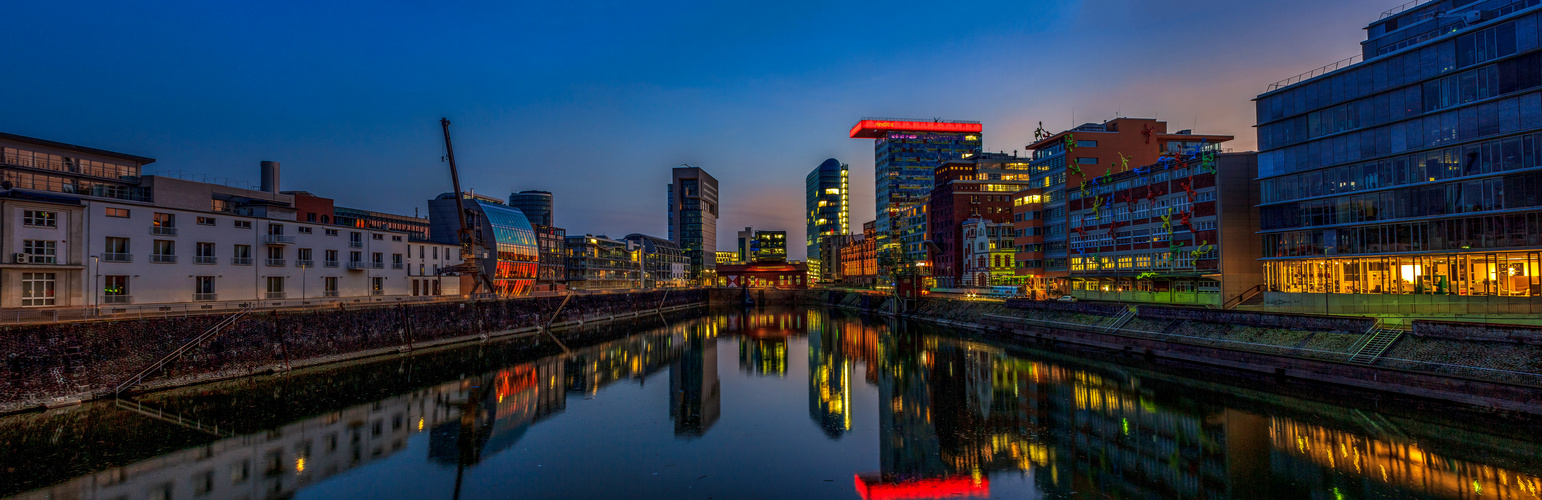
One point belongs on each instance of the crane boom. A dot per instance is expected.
(464, 232)
(469, 261)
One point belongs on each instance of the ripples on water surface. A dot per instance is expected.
(754, 404)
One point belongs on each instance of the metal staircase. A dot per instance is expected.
(218, 327)
(1377, 340)
(1119, 321)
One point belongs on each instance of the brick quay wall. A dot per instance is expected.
(61, 363)
(1491, 367)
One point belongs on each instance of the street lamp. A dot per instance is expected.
(96, 272)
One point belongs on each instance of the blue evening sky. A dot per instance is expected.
(596, 101)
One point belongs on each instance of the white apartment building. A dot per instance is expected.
(183, 242)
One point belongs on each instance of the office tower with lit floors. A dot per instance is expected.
(828, 210)
(1409, 182)
(693, 212)
(904, 154)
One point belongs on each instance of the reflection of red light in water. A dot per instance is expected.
(510, 382)
(874, 488)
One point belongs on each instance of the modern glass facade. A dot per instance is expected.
(1415, 171)
(693, 211)
(514, 241)
(828, 204)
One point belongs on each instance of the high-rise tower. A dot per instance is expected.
(828, 204)
(905, 153)
(693, 211)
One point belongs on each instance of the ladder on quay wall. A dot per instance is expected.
(1122, 319)
(217, 328)
(1377, 340)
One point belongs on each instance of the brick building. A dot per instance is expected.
(979, 187)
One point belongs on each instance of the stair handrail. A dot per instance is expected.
(1244, 296)
(161, 363)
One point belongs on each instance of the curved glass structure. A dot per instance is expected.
(514, 244)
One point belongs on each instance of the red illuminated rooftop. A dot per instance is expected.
(874, 128)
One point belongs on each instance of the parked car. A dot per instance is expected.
(1066, 298)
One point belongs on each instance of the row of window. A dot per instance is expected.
(116, 249)
(1501, 231)
(1506, 77)
(1514, 191)
(1512, 274)
(1501, 116)
(40, 160)
(1502, 155)
(1152, 260)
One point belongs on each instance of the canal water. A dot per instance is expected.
(761, 403)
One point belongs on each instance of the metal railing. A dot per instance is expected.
(205, 297)
(163, 259)
(329, 293)
(139, 377)
(355, 244)
(117, 299)
(117, 257)
(1243, 297)
(240, 261)
(1402, 8)
(1329, 68)
(275, 262)
(279, 239)
(163, 230)
(275, 295)
(304, 263)
(329, 263)
(205, 259)
(396, 265)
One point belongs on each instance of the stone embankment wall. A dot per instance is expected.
(83, 360)
(1494, 366)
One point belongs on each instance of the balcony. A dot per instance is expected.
(240, 261)
(163, 230)
(163, 259)
(357, 265)
(275, 295)
(355, 244)
(304, 263)
(117, 299)
(279, 239)
(329, 294)
(205, 297)
(117, 257)
(329, 263)
(396, 265)
(275, 262)
(206, 259)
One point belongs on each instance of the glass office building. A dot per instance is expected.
(905, 152)
(1412, 171)
(828, 210)
(693, 211)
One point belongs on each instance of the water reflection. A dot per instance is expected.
(932, 416)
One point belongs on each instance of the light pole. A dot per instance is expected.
(96, 272)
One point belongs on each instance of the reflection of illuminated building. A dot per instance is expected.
(829, 381)
(695, 398)
(763, 356)
(271, 464)
(1317, 455)
(496, 410)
